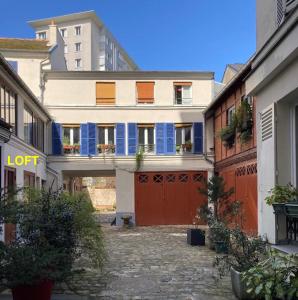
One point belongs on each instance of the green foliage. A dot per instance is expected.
(227, 134)
(244, 117)
(219, 197)
(54, 230)
(244, 253)
(282, 194)
(66, 140)
(219, 232)
(139, 158)
(274, 278)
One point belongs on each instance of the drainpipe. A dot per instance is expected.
(42, 79)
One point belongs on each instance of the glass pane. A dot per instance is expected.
(111, 139)
(187, 135)
(101, 135)
(178, 94)
(7, 96)
(141, 136)
(28, 126)
(76, 135)
(151, 136)
(12, 110)
(66, 136)
(178, 136)
(186, 92)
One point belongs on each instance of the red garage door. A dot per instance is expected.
(168, 198)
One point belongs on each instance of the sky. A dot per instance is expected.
(197, 35)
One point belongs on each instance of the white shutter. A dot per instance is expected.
(290, 4)
(187, 95)
(266, 171)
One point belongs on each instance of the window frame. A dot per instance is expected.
(106, 147)
(183, 134)
(146, 101)
(78, 49)
(63, 32)
(147, 148)
(182, 85)
(111, 101)
(42, 33)
(78, 30)
(230, 113)
(78, 66)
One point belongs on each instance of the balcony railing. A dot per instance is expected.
(105, 149)
(71, 149)
(183, 148)
(148, 149)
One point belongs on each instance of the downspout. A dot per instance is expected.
(42, 79)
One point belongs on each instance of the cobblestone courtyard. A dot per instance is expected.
(152, 263)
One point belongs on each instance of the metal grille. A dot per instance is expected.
(267, 124)
(290, 4)
(279, 11)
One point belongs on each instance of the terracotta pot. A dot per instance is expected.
(41, 291)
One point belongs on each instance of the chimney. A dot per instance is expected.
(53, 34)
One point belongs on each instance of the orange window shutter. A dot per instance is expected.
(105, 93)
(145, 92)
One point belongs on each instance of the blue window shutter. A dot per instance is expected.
(84, 140)
(160, 138)
(132, 138)
(170, 138)
(56, 139)
(198, 138)
(14, 65)
(120, 139)
(91, 138)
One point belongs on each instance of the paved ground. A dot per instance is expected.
(153, 263)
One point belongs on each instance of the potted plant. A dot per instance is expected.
(227, 135)
(54, 231)
(126, 221)
(178, 148)
(244, 253)
(280, 196)
(188, 146)
(220, 236)
(273, 278)
(244, 117)
(196, 236)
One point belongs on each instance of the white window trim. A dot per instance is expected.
(78, 30)
(42, 33)
(78, 60)
(146, 138)
(65, 49)
(106, 135)
(71, 136)
(65, 32)
(183, 104)
(183, 137)
(80, 47)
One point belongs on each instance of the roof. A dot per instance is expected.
(240, 76)
(118, 75)
(64, 18)
(237, 67)
(24, 44)
(22, 84)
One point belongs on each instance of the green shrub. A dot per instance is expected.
(282, 194)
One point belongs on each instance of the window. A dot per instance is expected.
(63, 32)
(65, 49)
(106, 139)
(105, 93)
(29, 179)
(183, 93)
(230, 115)
(78, 47)
(78, 63)
(78, 30)
(71, 139)
(145, 92)
(33, 130)
(42, 35)
(8, 106)
(248, 99)
(146, 137)
(183, 138)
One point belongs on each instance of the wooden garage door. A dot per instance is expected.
(168, 198)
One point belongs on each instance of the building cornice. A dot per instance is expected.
(236, 159)
(132, 75)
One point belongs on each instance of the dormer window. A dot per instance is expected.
(42, 35)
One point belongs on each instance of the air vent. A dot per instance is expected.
(279, 11)
(267, 124)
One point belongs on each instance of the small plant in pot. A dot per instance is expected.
(196, 236)
(220, 236)
(244, 116)
(244, 253)
(280, 195)
(55, 230)
(276, 277)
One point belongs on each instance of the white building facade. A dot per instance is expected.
(273, 83)
(144, 128)
(88, 44)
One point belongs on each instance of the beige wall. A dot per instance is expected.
(82, 92)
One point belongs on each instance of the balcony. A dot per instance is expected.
(108, 149)
(182, 149)
(71, 149)
(147, 149)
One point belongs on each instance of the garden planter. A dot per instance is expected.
(229, 138)
(195, 237)
(279, 208)
(221, 247)
(238, 286)
(291, 209)
(41, 291)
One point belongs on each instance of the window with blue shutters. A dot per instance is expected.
(170, 138)
(132, 138)
(91, 138)
(120, 139)
(84, 140)
(198, 138)
(160, 138)
(56, 139)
